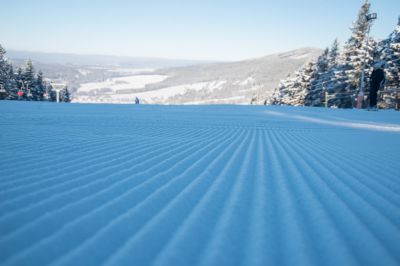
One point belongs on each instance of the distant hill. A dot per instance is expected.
(99, 60)
(238, 80)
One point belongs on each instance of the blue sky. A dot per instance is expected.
(190, 29)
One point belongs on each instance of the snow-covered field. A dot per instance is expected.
(198, 185)
(122, 83)
(157, 96)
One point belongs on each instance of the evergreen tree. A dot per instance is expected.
(40, 87)
(21, 84)
(391, 55)
(320, 78)
(7, 76)
(340, 73)
(293, 91)
(3, 73)
(29, 81)
(333, 54)
(25, 80)
(51, 93)
(356, 52)
(65, 95)
(11, 84)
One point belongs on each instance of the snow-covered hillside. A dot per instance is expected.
(198, 185)
(234, 82)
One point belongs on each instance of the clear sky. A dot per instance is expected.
(189, 29)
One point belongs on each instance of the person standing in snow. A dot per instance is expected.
(376, 83)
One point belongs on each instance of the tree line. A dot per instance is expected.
(25, 83)
(337, 73)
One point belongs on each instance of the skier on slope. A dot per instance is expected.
(376, 83)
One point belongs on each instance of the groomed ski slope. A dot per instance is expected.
(198, 185)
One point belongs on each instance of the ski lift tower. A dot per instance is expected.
(58, 87)
(370, 18)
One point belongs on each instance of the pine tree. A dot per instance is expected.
(391, 55)
(25, 80)
(333, 54)
(356, 52)
(65, 95)
(11, 84)
(50, 93)
(29, 81)
(20, 83)
(320, 78)
(40, 87)
(293, 91)
(3, 73)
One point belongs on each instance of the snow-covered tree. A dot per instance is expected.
(357, 52)
(65, 95)
(324, 76)
(25, 80)
(39, 87)
(318, 81)
(29, 80)
(346, 68)
(293, 91)
(11, 84)
(391, 55)
(339, 73)
(333, 54)
(3, 73)
(7, 78)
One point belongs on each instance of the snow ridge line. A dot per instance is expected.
(32, 162)
(110, 157)
(80, 175)
(386, 209)
(75, 194)
(123, 180)
(353, 212)
(358, 171)
(290, 218)
(136, 192)
(308, 194)
(364, 159)
(259, 243)
(192, 221)
(236, 203)
(99, 149)
(120, 256)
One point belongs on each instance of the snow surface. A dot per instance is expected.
(132, 71)
(157, 96)
(300, 56)
(122, 83)
(198, 185)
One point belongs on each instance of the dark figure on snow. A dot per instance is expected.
(136, 100)
(376, 83)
